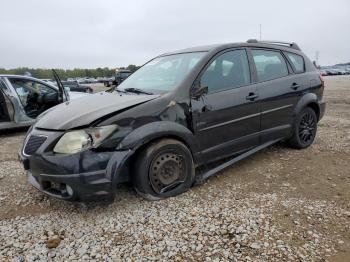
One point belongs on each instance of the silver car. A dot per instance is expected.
(24, 98)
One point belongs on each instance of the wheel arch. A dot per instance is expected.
(146, 134)
(308, 100)
(314, 106)
(143, 136)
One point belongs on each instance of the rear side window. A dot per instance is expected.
(297, 62)
(269, 64)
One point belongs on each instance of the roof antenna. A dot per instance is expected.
(317, 56)
(260, 32)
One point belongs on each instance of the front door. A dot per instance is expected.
(4, 104)
(227, 119)
(35, 97)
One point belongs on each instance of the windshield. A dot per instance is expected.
(162, 74)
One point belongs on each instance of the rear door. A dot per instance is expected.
(227, 119)
(278, 89)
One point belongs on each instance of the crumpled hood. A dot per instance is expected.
(87, 109)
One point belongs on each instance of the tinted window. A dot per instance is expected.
(269, 64)
(297, 62)
(228, 70)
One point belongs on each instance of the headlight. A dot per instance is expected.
(76, 141)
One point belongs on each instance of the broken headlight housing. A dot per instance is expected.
(79, 140)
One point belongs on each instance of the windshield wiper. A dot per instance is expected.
(115, 89)
(137, 91)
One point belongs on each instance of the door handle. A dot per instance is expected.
(252, 96)
(295, 86)
(206, 108)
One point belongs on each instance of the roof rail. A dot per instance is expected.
(289, 44)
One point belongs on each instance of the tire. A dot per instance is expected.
(304, 129)
(163, 169)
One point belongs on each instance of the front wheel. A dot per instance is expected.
(163, 169)
(304, 130)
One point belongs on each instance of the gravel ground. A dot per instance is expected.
(278, 205)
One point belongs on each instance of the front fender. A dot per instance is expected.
(158, 129)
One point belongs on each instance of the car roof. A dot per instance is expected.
(28, 78)
(219, 47)
(19, 76)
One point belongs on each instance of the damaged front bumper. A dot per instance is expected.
(84, 187)
(85, 176)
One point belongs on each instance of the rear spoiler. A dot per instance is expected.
(289, 44)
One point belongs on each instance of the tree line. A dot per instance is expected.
(343, 64)
(66, 73)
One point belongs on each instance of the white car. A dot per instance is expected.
(24, 98)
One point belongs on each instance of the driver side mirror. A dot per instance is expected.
(197, 92)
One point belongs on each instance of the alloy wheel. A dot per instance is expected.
(307, 128)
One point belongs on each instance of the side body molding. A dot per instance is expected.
(158, 129)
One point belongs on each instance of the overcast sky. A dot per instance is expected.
(90, 34)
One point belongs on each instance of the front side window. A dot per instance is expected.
(297, 62)
(269, 65)
(2, 85)
(28, 90)
(227, 71)
(162, 74)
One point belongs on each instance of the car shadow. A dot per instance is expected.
(13, 131)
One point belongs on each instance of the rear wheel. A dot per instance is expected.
(304, 131)
(163, 169)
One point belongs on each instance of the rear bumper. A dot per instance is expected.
(322, 109)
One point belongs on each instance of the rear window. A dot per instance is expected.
(297, 62)
(269, 64)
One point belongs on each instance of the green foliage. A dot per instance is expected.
(132, 68)
(64, 74)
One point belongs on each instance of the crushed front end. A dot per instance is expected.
(84, 176)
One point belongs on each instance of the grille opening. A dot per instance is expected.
(33, 144)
